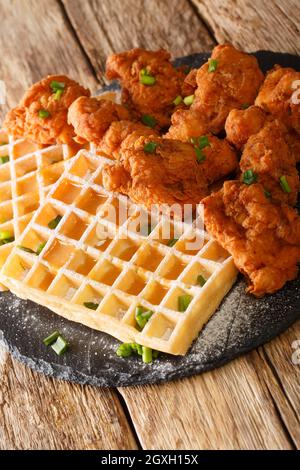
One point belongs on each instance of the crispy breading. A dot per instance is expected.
(156, 100)
(171, 173)
(91, 118)
(263, 237)
(234, 82)
(25, 121)
(243, 123)
(269, 156)
(275, 96)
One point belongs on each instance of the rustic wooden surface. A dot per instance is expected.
(253, 402)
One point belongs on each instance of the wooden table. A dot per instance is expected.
(253, 402)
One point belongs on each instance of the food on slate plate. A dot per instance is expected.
(162, 144)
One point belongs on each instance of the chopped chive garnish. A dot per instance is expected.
(199, 155)
(124, 350)
(142, 316)
(40, 247)
(203, 142)
(51, 338)
(172, 242)
(212, 65)
(58, 94)
(25, 248)
(267, 194)
(43, 113)
(201, 280)
(54, 222)
(148, 120)
(188, 100)
(150, 147)
(183, 302)
(91, 305)
(55, 86)
(177, 100)
(249, 177)
(146, 78)
(284, 184)
(60, 346)
(4, 159)
(245, 106)
(5, 234)
(147, 355)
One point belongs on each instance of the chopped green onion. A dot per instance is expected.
(142, 316)
(51, 338)
(60, 346)
(212, 65)
(150, 147)
(55, 86)
(146, 78)
(245, 106)
(40, 247)
(284, 184)
(201, 280)
(124, 350)
(147, 355)
(172, 242)
(249, 177)
(43, 113)
(267, 194)
(203, 142)
(4, 159)
(5, 234)
(188, 100)
(148, 120)
(177, 100)
(54, 222)
(25, 248)
(183, 302)
(91, 305)
(58, 94)
(199, 155)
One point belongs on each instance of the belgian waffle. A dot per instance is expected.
(75, 258)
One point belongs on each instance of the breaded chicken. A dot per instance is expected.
(275, 96)
(263, 237)
(153, 170)
(91, 118)
(42, 114)
(269, 157)
(230, 79)
(241, 124)
(149, 82)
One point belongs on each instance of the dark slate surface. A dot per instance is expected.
(240, 324)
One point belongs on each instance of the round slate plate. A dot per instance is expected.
(241, 323)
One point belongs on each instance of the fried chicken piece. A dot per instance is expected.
(91, 118)
(156, 99)
(42, 114)
(262, 236)
(229, 80)
(169, 173)
(189, 85)
(243, 123)
(268, 155)
(275, 96)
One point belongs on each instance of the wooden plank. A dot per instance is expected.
(228, 408)
(104, 27)
(253, 24)
(35, 41)
(37, 412)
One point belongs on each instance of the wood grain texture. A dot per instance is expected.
(228, 408)
(35, 41)
(254, 24)
(104, 27)
(37, 412)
